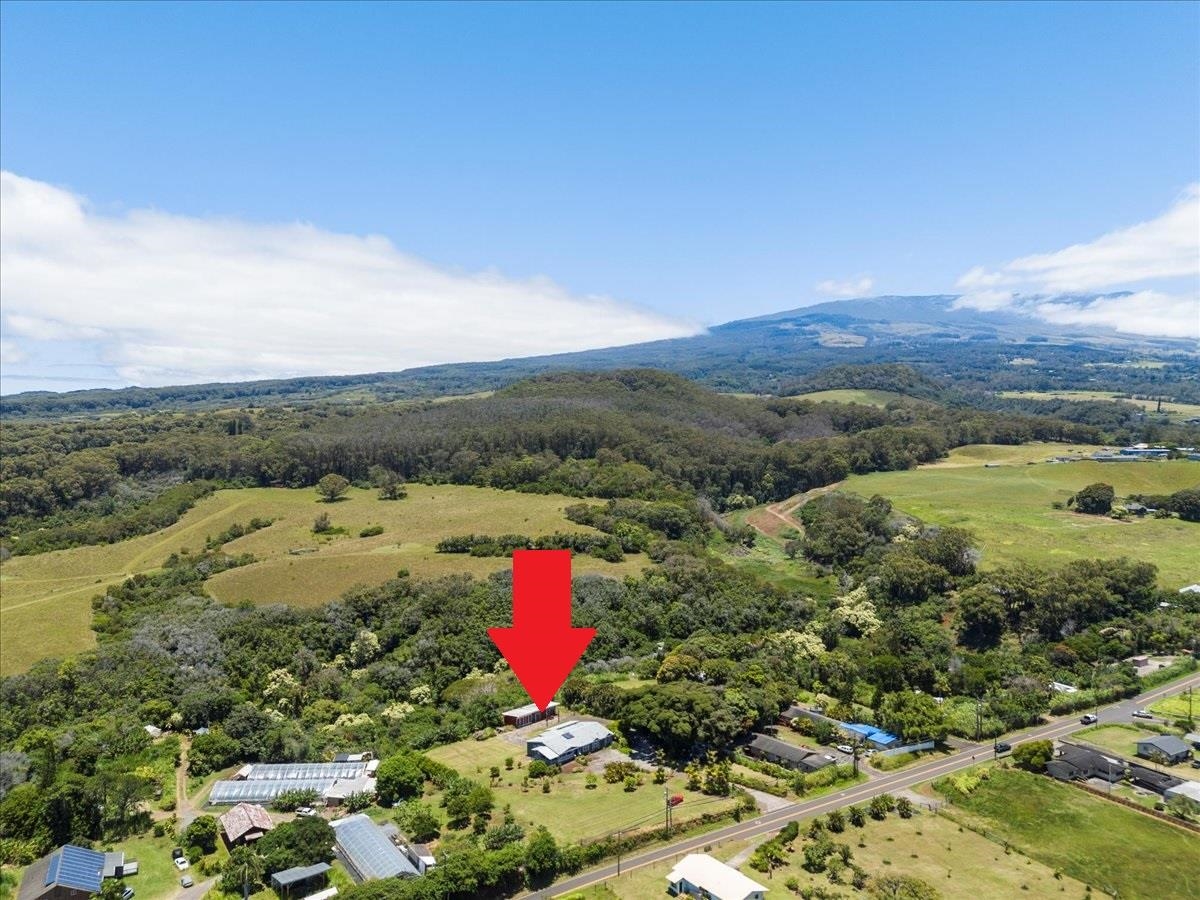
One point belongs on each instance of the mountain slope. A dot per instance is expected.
(767, 354)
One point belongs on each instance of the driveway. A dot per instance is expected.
(196, 891)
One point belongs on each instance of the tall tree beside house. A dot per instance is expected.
(1187, 504)
(332, 486)
(1095, 499)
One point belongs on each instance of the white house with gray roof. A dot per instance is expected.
(562, 743)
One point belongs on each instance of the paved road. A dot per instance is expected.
(887, 783)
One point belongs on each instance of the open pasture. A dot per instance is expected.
(1008, 507)
(45, 600)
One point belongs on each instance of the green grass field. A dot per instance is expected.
(1177, 707)
(45, 600)
(1088, 838)
(852, 395)
(571, 810)
(929, 847)
(1122, 738)
(1173, 411)
(1118, 737)
(1008, 507)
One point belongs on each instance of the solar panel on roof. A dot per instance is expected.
(76, 867)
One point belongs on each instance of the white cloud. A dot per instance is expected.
(173, 299)
(10, 353)
(1155, 266)
(852, 287)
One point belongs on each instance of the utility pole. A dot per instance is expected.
(667, 806)
(978, 719)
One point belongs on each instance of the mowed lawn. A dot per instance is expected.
(571, 810)
(1008, 507)
(1088, 838)
(1122, 739)
(45, 600)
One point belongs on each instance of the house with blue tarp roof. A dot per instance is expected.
(69, 873)
(877, 736)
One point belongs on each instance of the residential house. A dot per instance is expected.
(1075, 763)
(699, 875)
(245, 823)
(791, 714)
(528, 714)
(775, 751)
(69, 873)
(1151, 780)
(562, 743)
(1165, 746)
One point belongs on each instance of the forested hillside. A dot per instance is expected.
(866, 606)
(638, 433)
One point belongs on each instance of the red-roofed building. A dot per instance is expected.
(245, 823)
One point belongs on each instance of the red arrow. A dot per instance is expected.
(542, 647)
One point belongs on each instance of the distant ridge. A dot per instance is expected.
(764, 354)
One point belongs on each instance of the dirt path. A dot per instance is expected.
(184, 809)
(771, 520)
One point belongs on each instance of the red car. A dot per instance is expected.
(676, 799)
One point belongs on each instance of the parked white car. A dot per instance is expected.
(845, 748)
(181, 863)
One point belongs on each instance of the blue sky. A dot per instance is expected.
(690, 163)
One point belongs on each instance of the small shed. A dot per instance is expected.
(528, 714)
(1188, 790)
(299, 878)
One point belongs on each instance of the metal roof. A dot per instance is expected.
(776, 747)
(714, 877)
(530, 709)
(567, 737)
(298, 873)
(1167, 743)
(365, 847)
(76, 867)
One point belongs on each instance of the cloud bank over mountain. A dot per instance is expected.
(156, 298)
(1150, 270)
